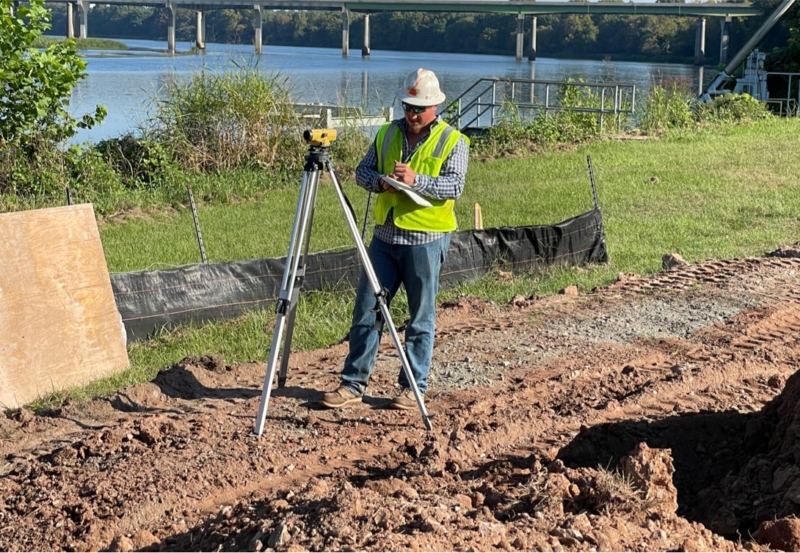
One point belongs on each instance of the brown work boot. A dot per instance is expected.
(405, 400)
(340, 397)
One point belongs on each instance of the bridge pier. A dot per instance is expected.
(259, 24)
(532, 97)
(200, 31)
(70, 21)
(724, 39)
(365, 50)
(83, 12)
(532, 50)
(520, 35)
(170, 28)
(700, 80)
(700, 42)
(345, 31)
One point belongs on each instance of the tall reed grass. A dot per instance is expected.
(238, 118)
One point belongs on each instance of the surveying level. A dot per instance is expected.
(319, 137)
(317, 160)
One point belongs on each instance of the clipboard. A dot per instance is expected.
(408, 191)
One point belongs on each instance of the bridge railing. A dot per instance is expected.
(488, 101)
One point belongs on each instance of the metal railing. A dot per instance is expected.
(333, 116)
(484, 103)
(788, 105)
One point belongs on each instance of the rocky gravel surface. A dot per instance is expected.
(658, 413)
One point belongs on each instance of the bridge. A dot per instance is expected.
(521, 8)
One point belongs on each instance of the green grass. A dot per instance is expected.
(717, 193)
(724, 192)
(231, 231)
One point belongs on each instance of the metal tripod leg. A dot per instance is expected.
(380, 295)
(366, 217)
(299, 277)
(300, 233)
(287, 342)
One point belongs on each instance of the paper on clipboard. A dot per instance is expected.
(408, 191)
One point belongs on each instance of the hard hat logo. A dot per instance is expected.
(421, 88)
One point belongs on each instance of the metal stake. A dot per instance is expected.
(591, 180)
(197, 225)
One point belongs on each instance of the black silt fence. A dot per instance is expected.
(150, 300)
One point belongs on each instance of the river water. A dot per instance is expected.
(128, 82)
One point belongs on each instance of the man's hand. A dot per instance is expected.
(403, 173)
(388, 187)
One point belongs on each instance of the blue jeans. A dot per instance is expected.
(417, 268)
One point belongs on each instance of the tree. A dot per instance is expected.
(576, 33)
(666, 35)
(459, 35)
(785, 56)
(35, 85)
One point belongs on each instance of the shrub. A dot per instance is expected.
(571, 124)
(140, 162)
(93, 180)
(33, 176)
(349, 148)
(668, 106)
(35, 85)
(30, 171)
(233, 119)
(732, 108)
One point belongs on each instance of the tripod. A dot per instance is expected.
(317, 160)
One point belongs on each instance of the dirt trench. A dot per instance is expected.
(657, 413)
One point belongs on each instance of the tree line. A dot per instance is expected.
(642, 37)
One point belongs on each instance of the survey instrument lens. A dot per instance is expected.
(319, 137)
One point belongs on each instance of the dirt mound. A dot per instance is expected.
(766, 485)
(654, 414)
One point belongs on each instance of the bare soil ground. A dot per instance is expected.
(655, 414)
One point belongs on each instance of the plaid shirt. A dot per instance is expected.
(447, 186)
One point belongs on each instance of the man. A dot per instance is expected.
(410, 241)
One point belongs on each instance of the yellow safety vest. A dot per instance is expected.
(426, 160)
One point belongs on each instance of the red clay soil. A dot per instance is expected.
(655, 414)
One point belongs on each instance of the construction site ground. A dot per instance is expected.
(656, 414)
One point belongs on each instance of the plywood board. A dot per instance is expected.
(59, 325)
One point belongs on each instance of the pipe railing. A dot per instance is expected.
(483, 104)
(788, 105)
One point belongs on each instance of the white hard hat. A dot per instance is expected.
(421, 88)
